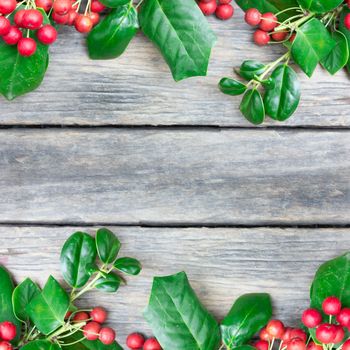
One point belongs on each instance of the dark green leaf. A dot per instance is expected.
(48, 309)
(108, 245)
(115, 3)
(189, 326)
(231, 87)
(332, 279)
(40, 345)
(88, 344)
(111, 37)
(311, 44)
(249, 69)
(282, 100)
(182, 34)
(6, 307)
(344, 30)
(22, 296)
(252, 107)
(77, 256)
(130, 266)
(110, 283)
(320, 6)
(248, 315)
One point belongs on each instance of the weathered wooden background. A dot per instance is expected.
(176, 171)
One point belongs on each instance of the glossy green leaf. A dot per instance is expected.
(320, 6)
(115, 3)
(129, 266)
(282, 100)
(77, 256)
(40, 345)
(311, 44)
(252, 107)
(110, 283)
(182, 34)
(6, 307)
(22, 296)
(108, 245)
(249, 69)
(339, 56)
(111, 37)
(20, 74)
(344, 30)
(189, 326)
(248, 315)
(332, 279)
(48, 309)
(232, 87)
(88, 344)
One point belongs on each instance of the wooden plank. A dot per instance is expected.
(222, 263)
(137, 89)
(183, 177)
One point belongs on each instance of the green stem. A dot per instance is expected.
(88, 287)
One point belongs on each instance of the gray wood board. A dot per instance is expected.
(174, 176)
(221, 263)
(137, 89)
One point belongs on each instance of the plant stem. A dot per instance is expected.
(88, 287)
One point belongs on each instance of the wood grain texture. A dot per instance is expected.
(221, 264)
(183, 177)
(137, 89)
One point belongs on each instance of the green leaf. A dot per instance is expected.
(6, 307)
(129, 266)
(48, 309)
(332, 279)
(283, 98)
(40, 345)
(182, 34)
(231, 87)
(111, 37)
(178, 319)
(88, 344)
(249, 69)
(110, 283)
(320, 6)
(344, 30)
(22, 296)
(108, 245)
(248, 315)
(77, 256)
(252, 107)
(311, 44)
(339, 56)
(115, 3)
(20, 74)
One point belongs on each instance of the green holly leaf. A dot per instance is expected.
(189, 326)
(108, 245)
(249, 69)
(252, 107)
(182, 34)
(48, 309)
(129, 266)
(248, 315)
(232, 87)
(320, 6)
(40, 345)
(311, 44)
(77, 258)
(115, 3)
(282, 99)
(109, 283)
(111, 37)
(85, 344)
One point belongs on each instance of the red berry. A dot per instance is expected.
(292, 37)
(26, 47)
(279, 36)
(261, 345)
(60, 19)
(252, 17)
(32, 19)
(296, 344)
(83, 24)
(97, 6)
(8, 330)
(135, 341)
(268, 22)
(107, 335)
(311, 318)
(81, 316)
(72, 15)
(224, 2)
(95, 18)
(346, 345)
(298, 333)
(5, 25)
(208, 8)
(325, 333)
(314, 346)
(287, 335)
(263, 335)
(275, 329)
(224, 12)
(46, 5)
(47, 34)
(68, 314)
(99, 314)
(4, 345)
(331, 306)
(18, 17)
(62, 7)
(261, 38)
(347, 21)
(7, 6)
(91, 330)
(339, 335)
(343, 318)
(12, 37)
(152, 344)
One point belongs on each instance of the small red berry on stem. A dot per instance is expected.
(5, 25)
(83, 24)
(72, 15)
(313, 346)
(26, 47)
(32, 19)
(46, 5)
(152, 344)
(311, 318)
(325, 333)
(13, 36)
(99, 314)
(279, 36)
(261, 345)
(263, 335)
(47, 35)
(347, 21)
(135, 341)
(224, 2)
(298, 333)
(275, 329)
(224, 12)
(8, 331)
(261, 38)
(81, 316)
(7, 6)
(62, 7)
(208, 8)
(60, 19)
(343, 318)
(4, 345)
(97, 6)
(339, 335)
(252, 17)
(346, 345)
(91, 330)
(95, 18)
(296, 344)
(268, 22)
(107, 335)
(331, 306)
(18, 17)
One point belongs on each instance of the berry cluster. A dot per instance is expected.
(136, 341)
(7, 333)
(222, 9)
